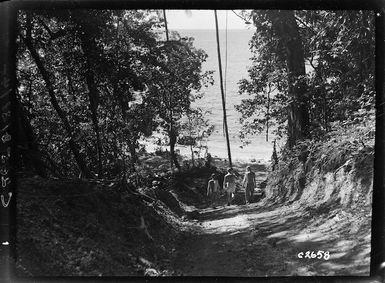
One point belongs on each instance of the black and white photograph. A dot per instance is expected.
(194, 142)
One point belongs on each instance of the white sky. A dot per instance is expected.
(203, 19)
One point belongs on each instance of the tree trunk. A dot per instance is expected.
(165, 24)
(89, 48)
(132, 139)
(285, 25)
(268, 113)
(192, 156)
(133, 155)
(174, 159)
(222, 90)
(51, 92)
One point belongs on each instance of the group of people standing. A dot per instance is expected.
(229, 186)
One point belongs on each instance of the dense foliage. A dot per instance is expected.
(91, 83)
(337, 86)
(196, 129)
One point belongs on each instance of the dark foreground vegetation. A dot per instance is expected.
(94, 228)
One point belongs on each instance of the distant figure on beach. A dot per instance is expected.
(213, 189)
(229, 185)
(249, 184)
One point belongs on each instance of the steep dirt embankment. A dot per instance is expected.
(337, 173)
(330, 184)
(89, 228)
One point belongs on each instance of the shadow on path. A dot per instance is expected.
(257, 241)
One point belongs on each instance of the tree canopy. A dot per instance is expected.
(322, 61)
(91, 83)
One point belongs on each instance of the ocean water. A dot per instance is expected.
(238, 61)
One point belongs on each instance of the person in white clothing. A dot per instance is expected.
(229, 185)
(249, 184)
(213, 189)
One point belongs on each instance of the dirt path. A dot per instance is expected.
(256, 241)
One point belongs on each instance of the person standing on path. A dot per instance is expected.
(213, 189)
(249, 184)
(229, 185)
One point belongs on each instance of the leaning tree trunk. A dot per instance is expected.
(284, 23)
(27, 143)
(89, 49)
(222, 90)
(46, 77)
(93, 96)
